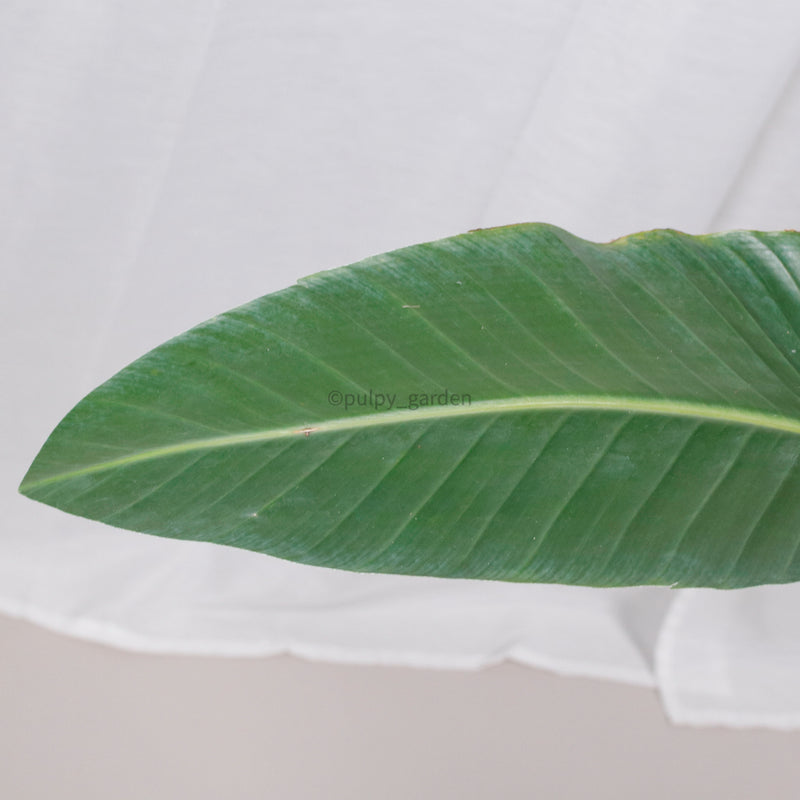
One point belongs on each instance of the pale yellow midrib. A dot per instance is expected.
(633, 405)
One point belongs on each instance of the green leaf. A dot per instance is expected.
(598, 414)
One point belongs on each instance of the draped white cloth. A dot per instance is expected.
(161, 162)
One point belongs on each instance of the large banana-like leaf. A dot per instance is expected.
(514, 403)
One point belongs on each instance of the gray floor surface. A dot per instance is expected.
(82, 721)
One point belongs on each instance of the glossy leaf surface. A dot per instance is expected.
(514, 403)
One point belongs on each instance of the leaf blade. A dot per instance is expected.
(694, 337)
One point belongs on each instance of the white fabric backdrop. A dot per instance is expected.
(161, 162)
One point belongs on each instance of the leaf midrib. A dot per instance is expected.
(634, 405)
